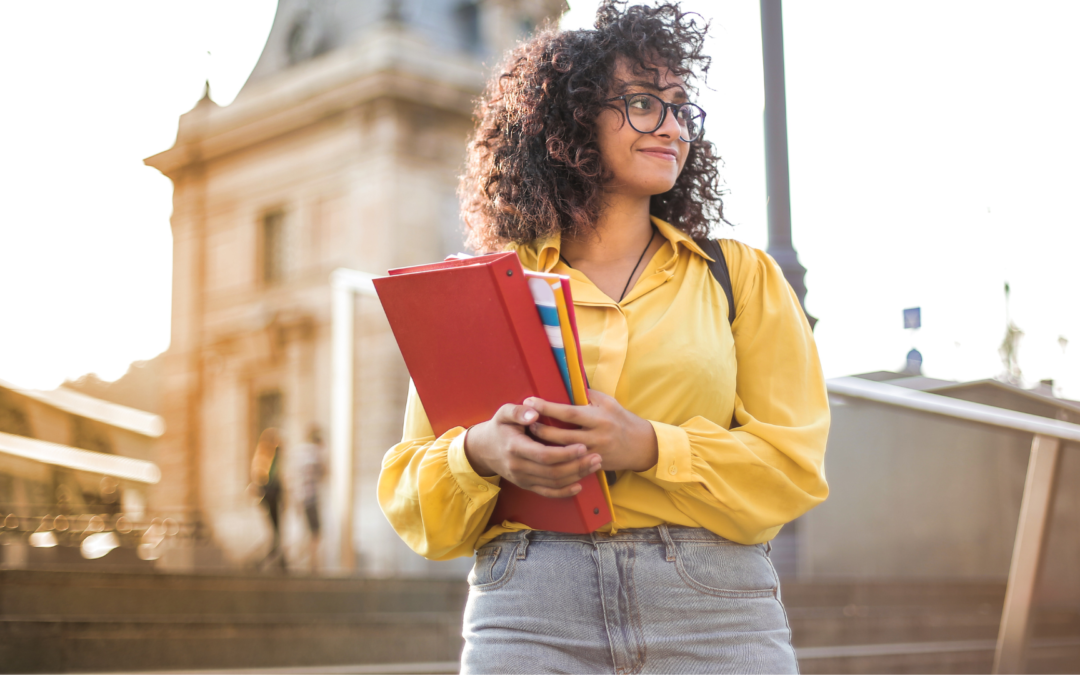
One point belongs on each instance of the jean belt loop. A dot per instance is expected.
(523, 544)
(669, 543)
(768, 547)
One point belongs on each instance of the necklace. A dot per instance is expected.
(632, 272)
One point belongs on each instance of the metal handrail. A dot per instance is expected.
(911, 399)
(1035, 505)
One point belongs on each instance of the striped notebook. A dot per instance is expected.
(551, 293)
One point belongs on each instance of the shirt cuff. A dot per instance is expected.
(478, 488)
(673, 463)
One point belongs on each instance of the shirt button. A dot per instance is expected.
(672, 470)
(483, 487)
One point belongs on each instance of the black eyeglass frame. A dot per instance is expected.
(664, 105)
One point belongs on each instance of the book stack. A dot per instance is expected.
(551, 293)
(477, 333)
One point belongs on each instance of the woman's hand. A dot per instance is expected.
(501, 446)
(622, 439)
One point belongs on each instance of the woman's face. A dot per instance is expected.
(641, 165)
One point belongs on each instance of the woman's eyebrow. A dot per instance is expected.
(647, 84)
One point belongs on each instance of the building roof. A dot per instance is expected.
(305, 29)
(102, 463)
(122, 417)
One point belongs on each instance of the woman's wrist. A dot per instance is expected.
(475, 460)
(642, 447)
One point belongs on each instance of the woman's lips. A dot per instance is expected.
(660, 153)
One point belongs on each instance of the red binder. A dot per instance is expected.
(472, 341)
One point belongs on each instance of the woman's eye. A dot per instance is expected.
(641, 102)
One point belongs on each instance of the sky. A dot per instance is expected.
(932, 152)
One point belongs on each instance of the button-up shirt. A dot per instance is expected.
(667, 353)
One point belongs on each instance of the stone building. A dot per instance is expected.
(341, 151)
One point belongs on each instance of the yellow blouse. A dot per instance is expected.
(668, 354)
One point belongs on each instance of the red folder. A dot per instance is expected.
(472, 341)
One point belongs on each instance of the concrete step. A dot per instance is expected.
(89, 644)
(100, 621)
(75, 621)
(1055, 655)
(860, 624)
(893, 593)
(902, 627)
(28, 593)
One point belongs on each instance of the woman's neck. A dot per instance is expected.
(621, 231)
(615, 255)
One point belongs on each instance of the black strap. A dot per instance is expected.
(720, 272)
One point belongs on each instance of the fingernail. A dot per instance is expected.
(530, 415)
(575, 489)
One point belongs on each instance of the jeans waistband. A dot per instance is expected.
(644, 534)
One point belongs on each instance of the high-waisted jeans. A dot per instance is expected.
(654, 600)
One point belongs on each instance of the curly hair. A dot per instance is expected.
(533, 166)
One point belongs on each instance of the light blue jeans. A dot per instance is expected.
(655, 600)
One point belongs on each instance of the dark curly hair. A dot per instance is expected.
(533, 166)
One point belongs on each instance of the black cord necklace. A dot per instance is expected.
(632, 272)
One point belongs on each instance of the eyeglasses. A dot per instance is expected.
(646, 113)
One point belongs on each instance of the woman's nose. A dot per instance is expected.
(669, 128)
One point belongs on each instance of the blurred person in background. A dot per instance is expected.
(311, 469)
(710, 416)
(266, 483)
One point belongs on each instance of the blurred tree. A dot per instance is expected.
(1010, 347)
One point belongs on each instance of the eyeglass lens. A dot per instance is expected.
(645, 113)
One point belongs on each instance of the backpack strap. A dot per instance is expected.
(720, 272)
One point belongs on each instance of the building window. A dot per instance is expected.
(273, 247)
(268, 413)
(13, 419)
(468, 24)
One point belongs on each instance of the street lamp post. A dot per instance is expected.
(776, 151)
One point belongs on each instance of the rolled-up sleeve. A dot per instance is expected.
(430, 493)
(747, 482)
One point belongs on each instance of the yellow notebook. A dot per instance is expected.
(577, 378)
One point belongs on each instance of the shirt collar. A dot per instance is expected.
(543, 254)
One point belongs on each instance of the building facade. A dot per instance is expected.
(342, 151)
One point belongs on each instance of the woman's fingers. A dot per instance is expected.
(558, 494)
(532, 464)
(562, 474)
(521, 415)
(580, 415)
(529, 450)
(549, 470)
(558, 436)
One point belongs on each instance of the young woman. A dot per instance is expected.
(589, 161)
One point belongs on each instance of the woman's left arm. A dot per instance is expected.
(746, 482)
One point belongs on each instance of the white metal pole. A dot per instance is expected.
(341, 423)
(345, 285)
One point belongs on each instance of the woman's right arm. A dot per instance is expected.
(433, 496)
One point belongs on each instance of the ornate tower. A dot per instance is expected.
(342, 150)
